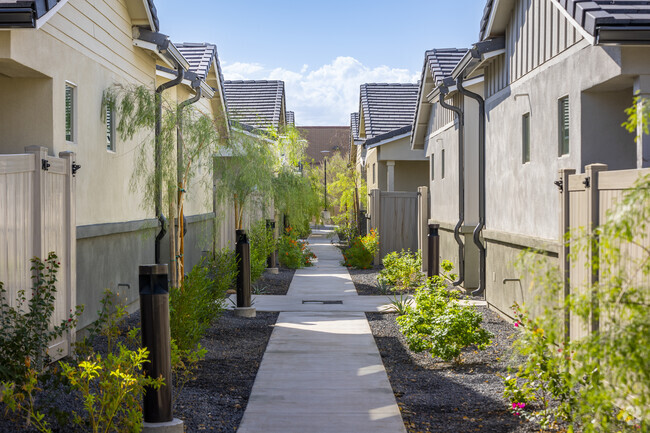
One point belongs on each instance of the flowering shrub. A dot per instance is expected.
(293, 252)
(439, 324)
(402, 270)
(362, 251)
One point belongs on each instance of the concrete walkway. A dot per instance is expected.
(321, 371)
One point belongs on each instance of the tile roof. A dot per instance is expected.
(291, 118)
(258, 104)
(354, 125)
(441, 61)
(331, 138)
(592, 14)
(387, 106)
(199, 56)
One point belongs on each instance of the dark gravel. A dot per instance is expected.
(274, 284)
(216, 400)
(365, 280)
(436, 396)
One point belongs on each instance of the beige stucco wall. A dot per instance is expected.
(409, 175)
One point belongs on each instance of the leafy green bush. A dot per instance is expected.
(262, 245)
(439, 324)
(361, 253)
(193, 307)
(222, 270)
(26, 331)
(402, 270)
(293, 252)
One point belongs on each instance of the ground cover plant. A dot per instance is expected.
(293, 252)
(402, 270)
(599, 382)
(362, 250)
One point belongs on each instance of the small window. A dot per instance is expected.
(442, 163)
(70, 107)
(374, 179)
(563, 126)
(110, 130)
(432, 166)
(525, 138)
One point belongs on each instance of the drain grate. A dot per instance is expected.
(327, 302)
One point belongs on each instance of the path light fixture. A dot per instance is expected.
(326, 214)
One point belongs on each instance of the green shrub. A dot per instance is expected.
(223, 271)
(26, 331)
(361, 253)
(402, 270)
(293, 252)
(439, 324)
(262, 245)
(193, 307)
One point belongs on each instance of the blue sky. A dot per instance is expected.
(323, 50)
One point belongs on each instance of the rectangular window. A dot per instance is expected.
(563, 125)
(70, 96)
(525, 138)
(374, 179)
(432, 165)
(442, 163)
(110, 130)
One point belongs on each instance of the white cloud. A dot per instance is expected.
(326, 95)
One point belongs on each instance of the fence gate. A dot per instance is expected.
(38, 216)
(394, 216)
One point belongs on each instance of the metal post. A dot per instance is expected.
(243, 251)
(271, 260)
(433, 244)
(154, 323)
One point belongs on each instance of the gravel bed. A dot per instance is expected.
(436, 396)
(274, 284)
(216, 400)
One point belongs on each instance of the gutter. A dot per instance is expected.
(623, 35)
(160, 45)
(444, 90)
(481, 182)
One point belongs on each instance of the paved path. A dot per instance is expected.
(321, 371)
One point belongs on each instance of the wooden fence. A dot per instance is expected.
(586, 200)
(394, 216)
(37, 216)
(256, 209)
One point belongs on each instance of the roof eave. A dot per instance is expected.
(160, 45)
(479, 53)
(623, 35)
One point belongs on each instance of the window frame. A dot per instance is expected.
(374, 175)
(563, 135)
(525, 138)
(110, 130)
(442, 163)
(72, 138)
(432, 169)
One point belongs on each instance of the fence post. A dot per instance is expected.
(375, 220)
(423, 219)
(592, 171)
(40, 166)
(433, 245)
(565, 226)
(70, 259)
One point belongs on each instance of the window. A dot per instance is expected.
(373, 174)
(70, 102)
(110, 130)
(442, 163)
(563, 125)
(432, 164)
(525, 138)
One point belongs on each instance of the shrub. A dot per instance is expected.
(262, 245)
(222, 271)
(439, 323)
(26, 331)
(193, 307)
(361, 253)
(402, 270)
(293, 252)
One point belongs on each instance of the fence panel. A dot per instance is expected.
(39, 217)
(394, 215)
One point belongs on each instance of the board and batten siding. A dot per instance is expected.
(536, 33)
(440, 116)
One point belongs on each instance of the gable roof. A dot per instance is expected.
(607, 21)
(385, 107)
(26, 13)
(256, 103)
(354, 125)
(325, 138)
(441, 61)
(291, 118)
(200, 57)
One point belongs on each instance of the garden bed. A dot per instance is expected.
(365, 280)
(216, 400)
(274, 284)
(436, 396)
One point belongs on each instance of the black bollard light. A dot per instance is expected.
(433, 246)
(154, 324)
(271, 260)
(243, 251)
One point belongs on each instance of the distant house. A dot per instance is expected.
(256, 104)
(290, 118)
(56, 61)
(550, 83)
(385, 122)
(357, 150)
(325, 141)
